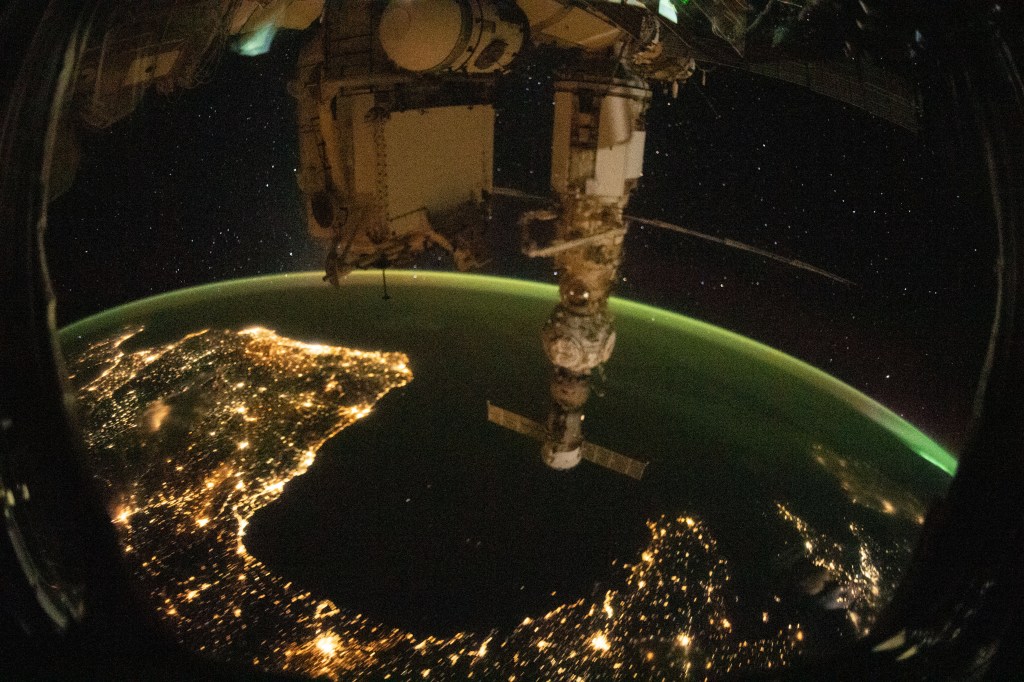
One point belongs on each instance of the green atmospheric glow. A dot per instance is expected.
(913, 438)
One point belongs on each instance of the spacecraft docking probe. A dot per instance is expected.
(596, 159)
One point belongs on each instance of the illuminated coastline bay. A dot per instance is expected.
(194, 429)
(191, 439)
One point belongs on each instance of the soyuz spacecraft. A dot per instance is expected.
(396, 129)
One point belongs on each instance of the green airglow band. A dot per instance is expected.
(909, 435)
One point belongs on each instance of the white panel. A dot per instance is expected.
(561, 23)
(301, 14)
(262, 15)
(540, 11)
(364, 155)
(616, 122)
(635, 155)
(609, 172)
(580, 27)
(410, 223)
(560, 136)
(617, 166)
(242, 13)
(438, 158)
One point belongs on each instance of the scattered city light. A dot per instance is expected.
(208, 586)
(328, 644)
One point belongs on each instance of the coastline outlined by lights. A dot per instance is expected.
(193, 436)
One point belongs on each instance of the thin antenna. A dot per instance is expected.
(383, 262)
(742, 247)
(707, 100)
(724, 241)
(384, 277)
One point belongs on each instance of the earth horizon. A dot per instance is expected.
(305, 479)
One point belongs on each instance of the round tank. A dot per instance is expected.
(421, 35)
(471, 36)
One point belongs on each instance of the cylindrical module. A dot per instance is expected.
(564, 445)
(469, 36)
(577, 343)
